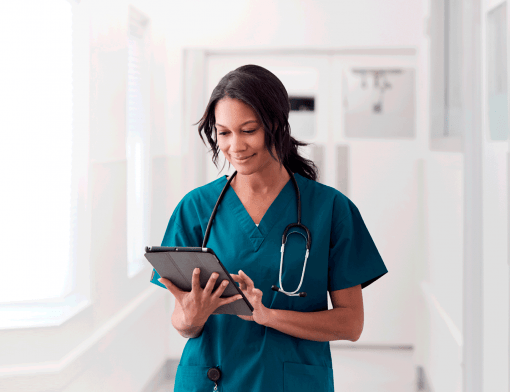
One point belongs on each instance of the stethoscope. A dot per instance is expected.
(286, 233)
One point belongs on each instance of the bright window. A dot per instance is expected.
(36, 208)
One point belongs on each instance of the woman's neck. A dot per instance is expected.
(269, 179)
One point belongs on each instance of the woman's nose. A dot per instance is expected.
(238, 144)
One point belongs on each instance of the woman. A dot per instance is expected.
(284, 346)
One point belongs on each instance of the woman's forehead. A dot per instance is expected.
(230, 111)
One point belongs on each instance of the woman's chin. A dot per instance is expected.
(245, 171)
(244, 168)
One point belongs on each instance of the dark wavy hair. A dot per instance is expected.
(266, 95)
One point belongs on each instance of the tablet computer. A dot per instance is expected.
(177, 264)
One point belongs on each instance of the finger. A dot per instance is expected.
(241, 278)
(210, 283)
(229, 300)
(242, 284)
(221, 288)
(195, 281)
(236, 278)
(240, 281)
(171, 287)
(247, 280)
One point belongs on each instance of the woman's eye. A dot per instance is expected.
(224, 133)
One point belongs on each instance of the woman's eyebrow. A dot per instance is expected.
(244, 123)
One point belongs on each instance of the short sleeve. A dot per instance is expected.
(353, 256)
(183, 229)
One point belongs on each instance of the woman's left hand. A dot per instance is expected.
(260, 312)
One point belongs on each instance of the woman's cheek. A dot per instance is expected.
(222, 148)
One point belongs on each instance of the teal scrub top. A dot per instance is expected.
(251, 356)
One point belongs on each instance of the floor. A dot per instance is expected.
(365, 370)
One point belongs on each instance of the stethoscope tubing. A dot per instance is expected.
(285, 235)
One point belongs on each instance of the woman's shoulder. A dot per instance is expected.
(317, 188)
(203, 194)
(328, 197)
(196, 205)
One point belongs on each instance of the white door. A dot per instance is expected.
(374, 115)
(378, 175)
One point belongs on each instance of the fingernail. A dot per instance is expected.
(160, 279)
(196, 270)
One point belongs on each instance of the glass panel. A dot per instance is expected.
(453, 68)
(446, 50)
(497, 73)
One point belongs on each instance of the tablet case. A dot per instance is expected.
(177, 265)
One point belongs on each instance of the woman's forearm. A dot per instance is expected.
(323, 326)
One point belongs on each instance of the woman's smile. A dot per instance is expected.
(243, 159)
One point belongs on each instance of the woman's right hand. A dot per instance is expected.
(198, 304)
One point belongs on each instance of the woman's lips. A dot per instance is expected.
(243, 159)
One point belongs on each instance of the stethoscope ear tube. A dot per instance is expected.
(213, 214)
(308, 235)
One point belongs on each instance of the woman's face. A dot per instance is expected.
(240, 136)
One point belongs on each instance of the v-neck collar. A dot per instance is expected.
(280, 204)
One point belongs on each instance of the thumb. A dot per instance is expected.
(171, 287)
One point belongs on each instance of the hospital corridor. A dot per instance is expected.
(342, 166)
